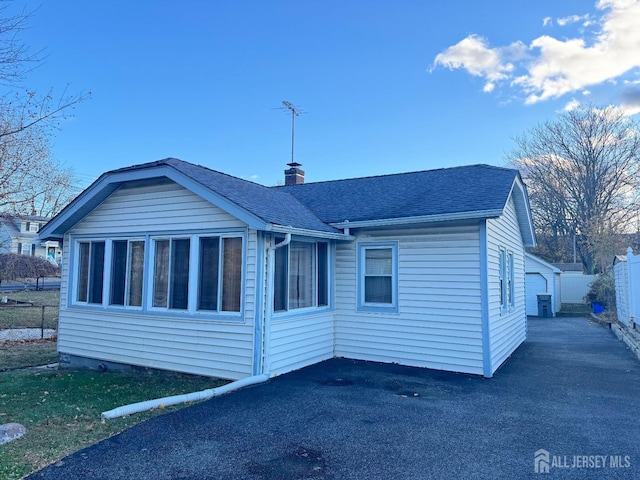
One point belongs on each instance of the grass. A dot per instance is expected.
(61, 408)
(37, 297)
(31, 317)
(27, 354)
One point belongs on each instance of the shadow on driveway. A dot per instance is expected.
(571, 389)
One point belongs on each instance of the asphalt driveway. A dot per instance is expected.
(572, 389)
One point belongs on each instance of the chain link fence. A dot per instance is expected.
(27, 321)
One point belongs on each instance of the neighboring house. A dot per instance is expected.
(175, 266)
(541, 277)
(20, 234)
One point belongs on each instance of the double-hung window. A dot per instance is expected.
(220, 274)
(506, 280)
(217, 276)
(301, 276)
(90, 272)
(510, 283)
(195, 273)
(127, 272)
(171, 273)
(378, 276)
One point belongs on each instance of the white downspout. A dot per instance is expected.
(187, 397)
(271, 265)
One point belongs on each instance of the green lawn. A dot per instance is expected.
(28, 354)
(61, 408)
(30, 316)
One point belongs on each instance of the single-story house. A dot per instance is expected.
(175, 266)
(541, 277)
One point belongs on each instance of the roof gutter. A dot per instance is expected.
(419, 219)
(309, 233)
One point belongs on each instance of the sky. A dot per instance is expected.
(383, 86)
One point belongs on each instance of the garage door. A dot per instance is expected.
(535, 283)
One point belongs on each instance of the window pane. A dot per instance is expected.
(302, 275)
(136, 273)
(323, 275)
(161, 273)
(118, 271)
(378, 290)
(231, 274)
(280, 280)
(378, 261)
(179, 280)
(96, 272)
(83, 272)
(208, 274)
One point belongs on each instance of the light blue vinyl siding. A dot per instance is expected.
(507, 326)
(302, 337)
(175, 340)
(438, 322)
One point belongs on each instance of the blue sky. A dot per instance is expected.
(387, 86)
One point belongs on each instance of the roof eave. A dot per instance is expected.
(523, 211)
(309, 233)
(109, 182)
(446, 217)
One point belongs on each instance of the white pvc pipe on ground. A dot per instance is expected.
(187, 397)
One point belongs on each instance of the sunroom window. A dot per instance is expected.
(301, 276)
(90, 272)
(171, 273)
(197, 273)
(220, 274)
(127, 272)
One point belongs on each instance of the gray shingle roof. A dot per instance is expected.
(464, 192)
(457, 190)
(270, 204)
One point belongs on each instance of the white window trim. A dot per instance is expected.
(315, 307)
(107, 273)
(506, 273)
(149, 266)
(363, 306)
(194, 256)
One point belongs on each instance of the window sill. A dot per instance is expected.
(300, 312)
(378, 308)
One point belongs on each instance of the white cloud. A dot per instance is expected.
(572, 19)
(572, 105)
(474, 55)
(549, 67)
(546, 21)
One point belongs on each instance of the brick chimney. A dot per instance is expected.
(294, 175)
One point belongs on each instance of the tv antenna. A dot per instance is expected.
(295, 111)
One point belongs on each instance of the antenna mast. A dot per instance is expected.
(295, 111)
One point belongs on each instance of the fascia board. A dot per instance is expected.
(419, 219)
(109, 182)
(309, 233)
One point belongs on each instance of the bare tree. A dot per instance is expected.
(31, 181)
(582, 174)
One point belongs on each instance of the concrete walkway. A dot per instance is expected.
(570, 395)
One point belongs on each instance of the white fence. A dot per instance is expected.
(574, 287)
(627, 276)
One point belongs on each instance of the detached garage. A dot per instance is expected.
(541, 277)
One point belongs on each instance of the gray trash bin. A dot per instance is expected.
(544, 305)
